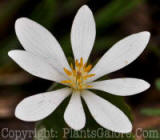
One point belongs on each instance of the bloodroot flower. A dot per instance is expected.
(43, 57)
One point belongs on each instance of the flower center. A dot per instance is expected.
(78, 75)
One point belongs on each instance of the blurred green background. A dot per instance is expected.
(115, 19)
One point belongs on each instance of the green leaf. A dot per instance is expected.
(103, 44)
(112, 12)
(45, 12)
(7, 44)
(157, 83)
(151, 111)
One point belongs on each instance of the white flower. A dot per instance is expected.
(43, 57)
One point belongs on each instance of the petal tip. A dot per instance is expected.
(147, 85)
(125, 128)
(22, 113)
(146, 34)
(77, 128)
(19, 116)
(20, 22)
(17, 113)
(11, 54)
(128, 129)
(85, 8)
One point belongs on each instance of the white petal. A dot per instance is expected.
(35, 65)
(38, 40)
(83, 33)
(74, 114)
(122, 86)
(40, 106)
(121, 54)
(106, 114)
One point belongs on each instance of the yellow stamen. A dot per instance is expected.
(77, 63)
(78, 66)
(85, 65)
(80, 87)
(81, 62)
(73, 85)
(71, 65)
(78, 75)
(88, 68)
(89, 86)
(69, 73)
(79, 80)
(74, 72)
(66, 82)
(88, 76)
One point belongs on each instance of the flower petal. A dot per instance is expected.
(35, 65)
(74, 120)
(122, 86)
(121, 54)
(106, 114)
(38, 40)
(83, 33)
(40, 106)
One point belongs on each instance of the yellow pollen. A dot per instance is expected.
(66, 82)
(69, 73)
(88, 68)
(89, 86)
(77, 63)
(78, 75)
(88, 76)
(72, 66)
(81, 62)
